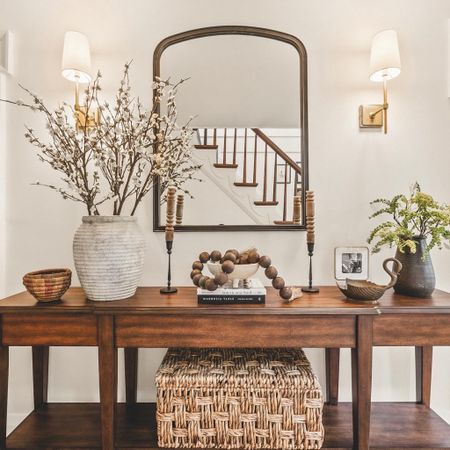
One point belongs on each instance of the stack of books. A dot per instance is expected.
(249, 291)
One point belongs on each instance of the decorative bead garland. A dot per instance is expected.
(228, 261)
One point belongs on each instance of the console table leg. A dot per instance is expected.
(424, 363)
(40, 376)
(4, 370)
(107, 358)
(131, 374)
(362, 382)
(332, 356)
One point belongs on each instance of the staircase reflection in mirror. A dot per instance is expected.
(250, 176)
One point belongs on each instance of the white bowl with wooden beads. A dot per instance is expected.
(234, 266)
(240, 272)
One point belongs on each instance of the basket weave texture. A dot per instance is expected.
(245, 398)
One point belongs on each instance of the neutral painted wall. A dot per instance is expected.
(348, 167)
(2, 187)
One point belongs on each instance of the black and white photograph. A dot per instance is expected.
(351, 263)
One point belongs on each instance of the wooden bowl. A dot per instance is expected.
(48, 285)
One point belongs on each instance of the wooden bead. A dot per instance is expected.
(271, 272)
(221, 278)
(195, 272)
(253, 257)
(265, 262)
(243, 258)
(197, 265)
(210, 284)
(204, 257)
(228, 266)
(202, 281)
(229, 256)
(234, 251)
(278, 283)
(196, 278)
(286, 293)
(215, 255)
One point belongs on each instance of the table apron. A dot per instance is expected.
(49, 329)
(159, 331)
(411, 329)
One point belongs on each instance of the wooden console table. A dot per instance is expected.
(323, 320)
(414, 322)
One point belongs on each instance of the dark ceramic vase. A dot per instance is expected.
(416, 278)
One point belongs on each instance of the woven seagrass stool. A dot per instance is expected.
(238, 398)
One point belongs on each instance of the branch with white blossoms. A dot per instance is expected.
(127, 151)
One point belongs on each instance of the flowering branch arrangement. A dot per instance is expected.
(415, 216)
(119, 160)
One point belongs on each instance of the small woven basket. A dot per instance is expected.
(48, 285)
(246, 398)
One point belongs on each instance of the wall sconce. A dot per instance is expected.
(384, 65)
(76, 67)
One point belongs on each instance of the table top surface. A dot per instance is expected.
(148, 300)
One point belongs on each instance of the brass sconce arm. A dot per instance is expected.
(84, 120)
(368, 113)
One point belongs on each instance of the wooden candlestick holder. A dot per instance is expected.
(169, 238)
(310, 238)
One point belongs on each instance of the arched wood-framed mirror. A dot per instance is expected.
(254, 156)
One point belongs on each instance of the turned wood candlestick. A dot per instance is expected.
(180, 205)
(297, 210)
(310, 239)
(169, 232)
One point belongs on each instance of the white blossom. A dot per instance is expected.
(117, 160)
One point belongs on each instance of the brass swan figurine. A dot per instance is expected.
(368, 291)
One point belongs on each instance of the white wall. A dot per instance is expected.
(2, 188)
(348, 167)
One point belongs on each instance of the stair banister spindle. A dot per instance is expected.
(285, 191)
(255, 158)
(224, 146)
(265, 174)
(234, 146)
(244, 177)
(205, 136)
(274, 193)
(215, 136)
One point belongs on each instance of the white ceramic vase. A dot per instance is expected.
(109, 256)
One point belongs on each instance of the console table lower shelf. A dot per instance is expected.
(77, 425)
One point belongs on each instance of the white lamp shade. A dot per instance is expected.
(76, 59)
(385, 56)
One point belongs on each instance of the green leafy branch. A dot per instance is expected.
(415, 216)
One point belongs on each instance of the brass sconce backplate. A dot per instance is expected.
(371, 116)
(84, 120)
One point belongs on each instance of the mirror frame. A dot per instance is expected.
(246, 31)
